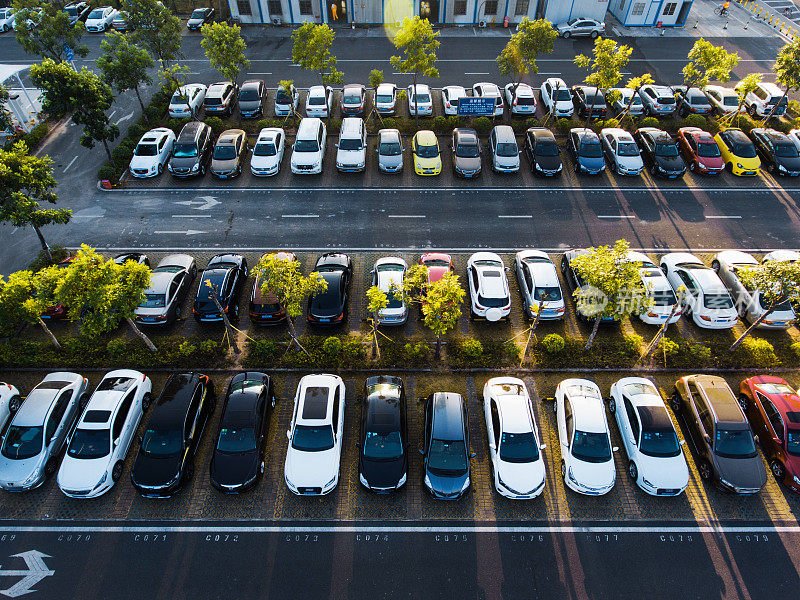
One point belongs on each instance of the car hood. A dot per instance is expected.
(595, 475)
(468, 164)
(507, 161)
(591, 163)
(383, 474)
(224, 165)
(712, 162)
(447, 486)
(151, 471)
(325, 308)
(184, 163)
(790, 164)
(670, 164)
(249, 104)
(428, 163)
(391, 161)
(150, 312)
(350, 156)
(522, 477)
(666, 473)
(143, 162)
(234, 469)
(630, 162)
(191, 22)
(14, 472)
(262, 162)
(549, 163)
(747, 473)
(82, 474)
(306, 158)
(311, 469)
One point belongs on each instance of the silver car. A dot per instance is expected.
(169, 283)
(390, 151)
(581, 26)
(39, 430)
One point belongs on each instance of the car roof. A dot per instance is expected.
(522, 89)
(466, 135)
(585, 135)
(448, 417)
(389, 134)
(770, 88)
(316, 90)
(544, 273)
(353, 87)
(504, 133)
(421, 87)
(189, 131)
(588, 410)
(252, 83)
(216, 89)
(487, 87)
(37, 404)
(382, 406)
(351, 126)
(332, 259)
(720, 399)
(385, 85)
(309, 126)
(268, 134)
(541, 133)
(736, 135)
(173, 403)
(160, 282)
(772, 135)
(225, 258)
(425, 137)
(316, 404)
(229, 136)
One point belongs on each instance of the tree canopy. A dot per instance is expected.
(42, 28)
(225, 49)
(124, 65)
(419, 43)
(440, 300)
(155, 28)
(605, 66)
(311, 50)
(532, 38)
(707, 63)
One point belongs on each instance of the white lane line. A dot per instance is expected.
(406, 216)
(191, 216)
(113, 112)
(616, 216)
(70, 164)
(402, 73)
(514, 216)
(299, 216)
(723, 216)
(187, 232)
(411, 249)
(475, 73)
(520, 189)
(260, 73)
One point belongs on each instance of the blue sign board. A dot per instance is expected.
(68, 53)
(475, 107)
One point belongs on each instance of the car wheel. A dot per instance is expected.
(147, 400)
(116, 472)
(262, 467)
(83, 401)
(594, 34)
(160, 168)
(565, 35)
(50, 467)
(675, 402)
(752, 110)
(202, 170)
(691, 166)
(563, 469)
(612, 406)
(14, 404)
(633, 471)
(704, 468)
(777, 469)
(743, 401)
(715, 266)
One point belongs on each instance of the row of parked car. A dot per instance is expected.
(714, 298)
(95, 432)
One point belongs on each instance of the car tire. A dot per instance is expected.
(777, 469)
(633, 471)
(50, 467)
(715, 266)
(160, 168)
(116, 472)
(563, 469)
(743, 401)
(565, 35)
(675, 402)
(704, 469)
(751, 110)
(14, 404)
(83, 401)
(147, 400)
(594, 34)
(612, 406)
(202, 170)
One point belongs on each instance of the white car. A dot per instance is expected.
(504, 150)
(97, 447)
(750, 304)
(39, 429)
(187, 101)
(625, 98)
(351, 149)
(451, 94)
(724, 100)
(514, 447)
(386, 99)
(655, 458)
(420, 101)
(622, 153)
(315, 436)
(706, 299)
(388, 274)
(580, 26)
(152, 153)
(556, 97)
(268, 152)
(319, 101)
(782, 256)
(308, 150)
(537, 280)
(10, 402)
(6, 19)
(100, 18)
(659, 289)
(488, 287)
(587, 458)
(490, 90)
(520, 98)
(285, 103)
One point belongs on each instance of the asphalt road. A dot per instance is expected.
(381, 560)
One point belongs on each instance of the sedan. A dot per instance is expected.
(170, 282)
(537, 280)
(229, 154)
(383, 449)
(706, 299)
(425, 150)
(252, 98)
(777, 151)
(329, 307)
(451, 94)
(187, 101)
(514, 447)
(6, 19)
(286, 101)
(738, 152)
(238, 459)
(621, 150)
(77, 11)
(386, 99)
(700, 151)
(388, 275)
(692, 101)
(625, 100)
(354, 100)
(586, 151)
(390, 150)
(165, 460)
(581, 27)
(438, 264)
(220, 287)
(420, 101)
(199, 17)
(466, 150)
(660, 152)
(490, 90)
(556, 97)
(268, 152)
(265, 309)
(659, 291)
(319, 101)
(575, 282)
(152, 153)
(520, 98)
(655, 458)
(589, 101)
(445, 451)
(542, 151)
(723, 100)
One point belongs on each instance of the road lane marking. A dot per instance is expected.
(475, 73)
(299, 216)
(616, 216)
(723, 216)
(186, 232)
(411, 249)
(70, 164)
(520, 189)
(260, 73)
(191, 216)
(406, 216)
(514, 216)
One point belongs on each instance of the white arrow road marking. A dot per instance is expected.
(187, 232)
(125, 118)
(36, 571)
(201, 203)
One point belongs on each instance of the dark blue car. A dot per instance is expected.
(586, 151)
(446, 451)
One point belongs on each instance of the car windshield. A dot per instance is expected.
(353, 99)
(153, 301)
(421, 98)
(664, 298)
(507, 149)
(22, 442)
(282, 97)
(198, 13)
(780, 306)
(563, 95)
(660, 443)
(730, 101)
(224, 152)
(249, 94)
(792, 442)
(316, 101)
(447, 457)
(394, 298)
(90, 443)
(546, 149)
(97, 13)
(776, 99)
(390, 149)
(734, 443)
(70, 10)
(384, 98)
(312, 438)
(667, 150)
(591, 150)
(628, 149)
(436, 262)
(526, 101)
(744, 150)
(467, 150)
(350, 144)
(265, 149)
(786, 150)
(306, 146)
(146, 150)
(708, 150)
(387, 446)
(717, 301)
(428, 151)
(185, 151)
(518, 447)
(591, 447)
(162, 442)
(664, 100)
(547, 294)
(236, 440)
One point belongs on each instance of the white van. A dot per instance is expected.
(308, 150)
(351, 154)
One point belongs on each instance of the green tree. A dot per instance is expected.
(5, 115)
(612, 285)
(124, 65)
(776, 282)
(25, 183)
(24, 296)
(635, 84)
(49, 32)
(225, 49)
(283, 279)
(155, 28)
(518, 57)
(377, 300)
(748, 84)
(419, 43)
(655, 343)
(375, 78)
(285, 86)
(605, 66)
(707, 63)
(311, 51)
(440, 301)
(787, 71)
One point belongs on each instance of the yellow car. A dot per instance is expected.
(738, 152)
(425, 149)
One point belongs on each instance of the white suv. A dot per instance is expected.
(308, 150)
(386, 99)
(351, 153)
(490, 90)
(488, 287)
(152, 152)
(764, 99)
(315, 436)
(187, 100)
(388, 275)
(520, 98)
(100, 18)
(420, 101)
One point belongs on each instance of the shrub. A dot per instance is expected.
(563, 126)
(472, 348)
(353, 353)
(154, 112)
(123, 152)
(186, 349)
(696, 121)
(532, 122)
(632, 344)
(107, 172)
(332, 347)
(782, 125)
(793, 108)
(745, 123)
(262, 352)
(482, 125)
(439, 125)
(417, 354)
(177, 124)
(33, 138)
(58, 253)
(650, 122)
(701, 354)
(553, 343)
(210, 347)
(136, 131)
(795, 348)
(116, 347)
(759, 352)
(217, 125)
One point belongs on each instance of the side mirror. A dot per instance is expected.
(682, 442)
(755, 438)
(421, 451)
(615, 448)
(491, 445)
(473, 454)
(140, 440)
(336, 145)
(542, 446)
(707, 438)
(288, 434)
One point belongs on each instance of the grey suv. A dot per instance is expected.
(466, 152)
(446, 451)
(252, 97)
(192, 150)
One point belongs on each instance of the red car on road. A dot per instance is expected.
(773, 408)
(700, 151)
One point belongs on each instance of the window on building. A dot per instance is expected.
(305, 7)
(275, 8)
(638, 9)
(522, 7)
(460, 8)
(669, 9)
(490, 8)
(244, 7)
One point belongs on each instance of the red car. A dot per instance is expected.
(773, 408)
(437, 264)
(59, 311)
(700, 151)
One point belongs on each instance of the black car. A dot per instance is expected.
(691, 101)
(224, 277)
(354, 100)
(574, 282)
(446, 451)
(660, 152)
(238, 459)
(777, 152)
(329, 307)
(199, 17)
(166, 454)
(542, 151)
(588, 100)
(192, 150)
(137, 257)
(383, 460)
(586, 151)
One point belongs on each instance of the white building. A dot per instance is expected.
(649, 13)
(561, 11)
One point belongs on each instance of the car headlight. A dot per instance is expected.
(363, 480)
(647, 483)
(740, 165)
(466, 485)
(330, 483)
(32, 477)
(428, 481)
(781, 168)
(102, 479)
(289, 483)
(195, 167)
(571, 476)
(403, 480)
(796, 479)
(726, 483)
